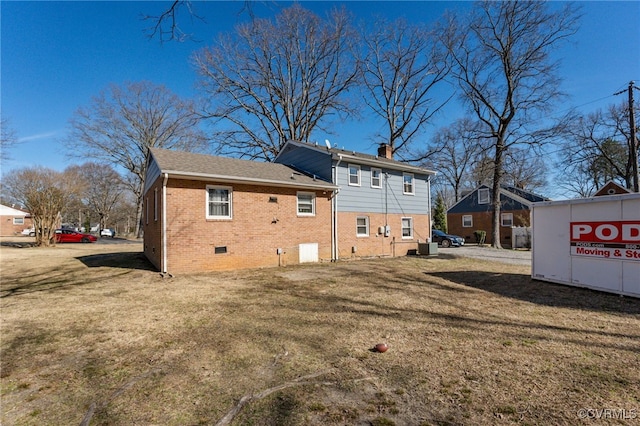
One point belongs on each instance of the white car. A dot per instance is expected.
(31, 232)
(108, 233)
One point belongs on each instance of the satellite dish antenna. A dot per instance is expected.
(327, 143)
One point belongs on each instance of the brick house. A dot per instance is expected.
(475, 212)
(13, 221)
(207, 213)
(382, 207)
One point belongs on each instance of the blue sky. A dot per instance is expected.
(55, 56)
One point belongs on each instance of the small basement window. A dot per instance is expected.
(220, 250)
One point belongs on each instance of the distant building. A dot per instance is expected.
(611, 188)
(13, 221)
(475, 212)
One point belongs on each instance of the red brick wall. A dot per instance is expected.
(484, 221)
(7, 228)
(377, 244)
(258, 228)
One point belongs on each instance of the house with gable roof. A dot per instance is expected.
(208, 213)
(475, 212)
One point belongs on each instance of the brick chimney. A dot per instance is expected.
(385, 151)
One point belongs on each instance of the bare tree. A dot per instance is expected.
(168, 25)
(122, 123)
(523, 169)
(508, 79)
(275, 81)
(402, 64)
(596, 150)
(453, 151)
(102, 188)
(44, 193)
(8, 138)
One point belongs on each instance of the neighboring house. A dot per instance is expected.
(382, 207)
(13, 221)
(611, 188)
(206, 213)
(475, 212)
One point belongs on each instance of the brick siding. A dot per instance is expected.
(8, 229)
(259, 227)
(376, 244)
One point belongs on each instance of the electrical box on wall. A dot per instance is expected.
(384, 230)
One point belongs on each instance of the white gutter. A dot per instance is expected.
(164, 223)
(334, 212)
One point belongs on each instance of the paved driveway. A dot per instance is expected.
(516, 257)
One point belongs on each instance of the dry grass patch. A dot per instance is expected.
(470, 342)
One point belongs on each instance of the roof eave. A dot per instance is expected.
(383, 164)
(234, 179)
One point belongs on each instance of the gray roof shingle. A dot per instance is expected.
(188, 164)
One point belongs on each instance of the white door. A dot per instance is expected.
(308, 252)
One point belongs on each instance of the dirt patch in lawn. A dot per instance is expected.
(92, 334)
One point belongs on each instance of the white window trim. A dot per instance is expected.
(379, 177)
(219, 217)
(505, 215)
(471, 221)
(313, 203)
(413, 184)
(409, 237)
(486, 199)
(366, 224)
(359, 175)
(18, 220)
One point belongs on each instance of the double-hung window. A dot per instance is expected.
(407, 227)
(306, 204)
(506, 219)
(18, 220)
(483, 196)
(467, 221)
(354, 175)
(362, 226)
(407, 184)
(219, 202)
(376, 178)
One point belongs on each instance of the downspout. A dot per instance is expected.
(334, 213)
(164, 223)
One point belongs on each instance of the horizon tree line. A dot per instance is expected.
(280, 79)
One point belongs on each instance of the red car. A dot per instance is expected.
(70, 236)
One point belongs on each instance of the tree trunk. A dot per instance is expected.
(497, 181)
